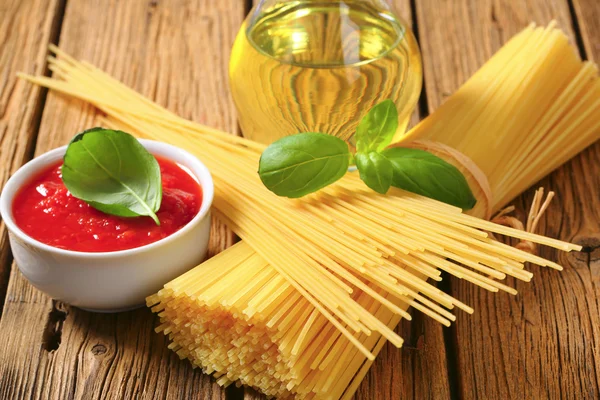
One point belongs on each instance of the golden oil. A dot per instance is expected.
(319, 66)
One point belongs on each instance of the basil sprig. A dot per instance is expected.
(111, 171)
(421, 172)
(306, 162)
(302, 164)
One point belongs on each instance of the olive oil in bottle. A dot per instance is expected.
(319, 66)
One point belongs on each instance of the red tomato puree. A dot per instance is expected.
(45, 210)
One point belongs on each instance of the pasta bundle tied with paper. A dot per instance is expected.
(303, 304)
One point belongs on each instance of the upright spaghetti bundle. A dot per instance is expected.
(303, 304)
(528, 110)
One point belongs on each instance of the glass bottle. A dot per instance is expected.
(320, 65)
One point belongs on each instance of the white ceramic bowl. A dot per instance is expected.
(112, 281)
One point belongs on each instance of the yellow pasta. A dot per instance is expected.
(528, 110)
(303, 304)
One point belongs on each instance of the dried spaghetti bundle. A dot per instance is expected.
(242, 320)
(303, 304)
(528, 110)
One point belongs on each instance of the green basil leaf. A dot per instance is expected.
(375, 170)
(114, 173)
(297, 165)
(377, 129)
(421, 172)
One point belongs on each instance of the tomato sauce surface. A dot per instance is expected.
(45, 210)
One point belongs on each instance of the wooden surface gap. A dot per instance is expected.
(234, 393)
(422, 107)
(577, 31)
(247, 6)
(451, 343)
(52, 335)
(587, 14)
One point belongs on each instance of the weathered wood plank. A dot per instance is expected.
(543, 342)
(26, 28)
(176, 52)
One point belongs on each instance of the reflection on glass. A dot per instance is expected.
(318, 66)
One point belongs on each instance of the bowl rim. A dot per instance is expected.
(200, 172)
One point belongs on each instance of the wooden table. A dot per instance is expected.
(542, 343)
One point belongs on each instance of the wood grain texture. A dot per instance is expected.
(418, 370)
(175, 52)
(26, 28)
(542, 343)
